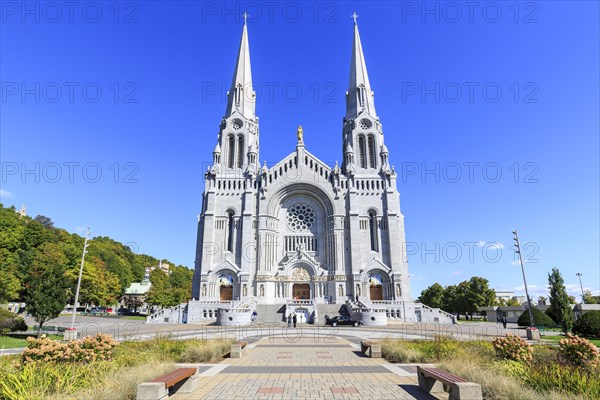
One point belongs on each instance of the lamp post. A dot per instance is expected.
(85, 246)
(581, 285)
(518, 251)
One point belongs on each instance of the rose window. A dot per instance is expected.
(300, 217)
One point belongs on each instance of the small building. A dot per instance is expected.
(581, 309)
(135, 295)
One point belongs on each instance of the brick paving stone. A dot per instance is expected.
(304, 369)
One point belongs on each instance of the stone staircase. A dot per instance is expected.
(270, 313)
(330, 310)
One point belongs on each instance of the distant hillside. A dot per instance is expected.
(110, 266)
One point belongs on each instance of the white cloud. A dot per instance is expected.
(490, 245)
(5, 193)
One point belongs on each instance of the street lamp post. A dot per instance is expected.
(85, 246)
(581, 285)
(518, 251)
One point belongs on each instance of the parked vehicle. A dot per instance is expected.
(342, 320)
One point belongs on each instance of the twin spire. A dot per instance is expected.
(241, 96)
(359, 98)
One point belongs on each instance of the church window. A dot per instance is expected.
(300, 217)
(371, 145)
(373, 230)
(230, 151)
(230, 230)
(362, 156)
(240, 161)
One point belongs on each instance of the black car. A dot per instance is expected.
(342, 320)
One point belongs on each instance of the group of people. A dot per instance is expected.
(292, 319)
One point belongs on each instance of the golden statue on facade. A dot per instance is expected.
(300, 134)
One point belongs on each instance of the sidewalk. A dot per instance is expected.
(306, 368)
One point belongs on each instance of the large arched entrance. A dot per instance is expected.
(225, 282)
(375, 286)
(301, 291)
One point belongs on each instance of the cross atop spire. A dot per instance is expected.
(245, 14)
(355, 17)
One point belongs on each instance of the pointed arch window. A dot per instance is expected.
(371, 147)
(230, 230)
(362, 155)
(230, 151)
(373, 230)
(240, 152)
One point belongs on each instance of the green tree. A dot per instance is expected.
(46, 286)
(9, 285)
(473, 294)
(542, 300)
(161, 292)
(450, 302)
(560, 306)
(539, 317)
(513, 302)
(589, 298)
(433, 296)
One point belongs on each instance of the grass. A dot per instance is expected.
(134, 317)
(11, 341)
(133, 362)
(557, 338)
(543, 379)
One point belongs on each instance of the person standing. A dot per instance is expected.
(504, 321)
(357, 297)
(254, 314)
(295, 320)
(289, 321)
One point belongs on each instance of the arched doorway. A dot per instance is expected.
(301, 291)
(225, 282)
(375, 286)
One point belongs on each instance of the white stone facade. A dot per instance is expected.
(301, 228)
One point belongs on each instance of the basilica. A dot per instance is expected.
(301, 229)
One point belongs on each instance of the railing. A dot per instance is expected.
(431, 309)
(299, 302)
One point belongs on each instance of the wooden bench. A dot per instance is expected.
(237, 349)
(183, 380)
(371, 348)
(437, 380)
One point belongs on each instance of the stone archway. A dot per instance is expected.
(225, 282)
(301, 288)
(377, 282)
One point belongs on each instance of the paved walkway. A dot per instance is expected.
(306, 368)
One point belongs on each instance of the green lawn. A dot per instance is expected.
(134, 317)
(556, 338)
(11, 342)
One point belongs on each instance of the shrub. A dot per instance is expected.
(569, 379)
(438, 348)
(9, 322)
(513, 347)
(588, 324)
(400, 351)
(578, 351)
(539, 318)
(89, 349)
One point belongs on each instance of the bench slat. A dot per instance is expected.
(441, 375)
(172, 378)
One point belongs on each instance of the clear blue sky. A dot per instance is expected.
(137, 92)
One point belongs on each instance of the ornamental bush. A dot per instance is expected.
(539, 318)
(578, 351)
(588, 324)
(9, 322)
(512, 347)
(89, 349)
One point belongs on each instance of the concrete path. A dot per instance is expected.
(306, 368)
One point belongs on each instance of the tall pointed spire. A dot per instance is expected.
(241, 96)
(359, 96)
